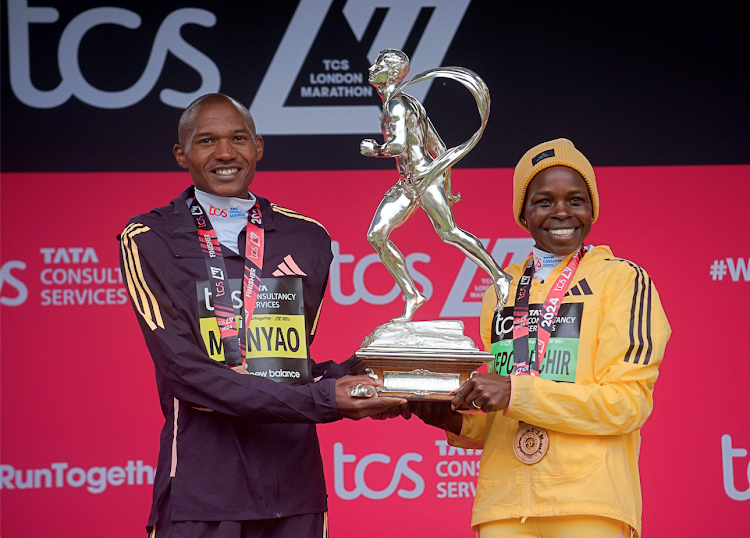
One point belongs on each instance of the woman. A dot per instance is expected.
(561, 413)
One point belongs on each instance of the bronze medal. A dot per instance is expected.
(530, 443)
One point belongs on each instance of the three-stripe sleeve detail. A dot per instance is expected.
(317, 316)
(294, 214)
(143, 298)
(641, 344)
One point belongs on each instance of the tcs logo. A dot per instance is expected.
(168, 39)
(728, 453)
(360, 290)
(217, 211)
(22, 293)
(360, 486)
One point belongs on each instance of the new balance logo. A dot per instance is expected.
(288, 268)
(582, 288)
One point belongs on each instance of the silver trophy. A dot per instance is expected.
(422, 360)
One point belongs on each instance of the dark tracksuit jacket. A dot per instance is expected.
(256, 454)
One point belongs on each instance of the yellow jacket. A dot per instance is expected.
(591, 465)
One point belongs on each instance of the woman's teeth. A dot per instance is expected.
(563, 232)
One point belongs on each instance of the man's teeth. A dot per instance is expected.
(227, 171)
(564, 231)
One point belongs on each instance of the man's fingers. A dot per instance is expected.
(377, 406)
(363, 380)
(379, 402)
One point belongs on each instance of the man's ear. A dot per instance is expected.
(259, 144)
(179, 155)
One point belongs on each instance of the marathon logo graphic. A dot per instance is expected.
(317, 82)
(196, 210)
(561, 358)
(465, 296)
(276, 336)
(217, 273)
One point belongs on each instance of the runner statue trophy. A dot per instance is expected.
(424, 165)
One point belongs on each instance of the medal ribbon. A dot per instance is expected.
(233, 339)
(547, 318)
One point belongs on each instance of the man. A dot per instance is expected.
(239, 454)
(412, 140)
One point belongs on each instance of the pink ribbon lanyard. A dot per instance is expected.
(233, 339)
(547, 317)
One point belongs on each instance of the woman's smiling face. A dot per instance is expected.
(558, 210)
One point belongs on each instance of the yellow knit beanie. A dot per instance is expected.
(560, 151)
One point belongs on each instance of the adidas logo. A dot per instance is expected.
(543, 155)
(288, 268)
(581, 288)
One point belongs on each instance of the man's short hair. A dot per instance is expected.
(209, 99)
(397, 62)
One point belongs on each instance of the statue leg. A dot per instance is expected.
(392, 212)
(438, 208)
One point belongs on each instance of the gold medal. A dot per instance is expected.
(530, 443)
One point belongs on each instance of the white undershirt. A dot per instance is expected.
(228, 216)
(545, 262)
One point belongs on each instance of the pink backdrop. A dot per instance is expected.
(80, 415)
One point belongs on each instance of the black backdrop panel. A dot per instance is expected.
(629, 83)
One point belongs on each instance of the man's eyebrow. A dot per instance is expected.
(210, 133)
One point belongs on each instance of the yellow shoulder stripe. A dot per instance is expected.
(143, 298)
(294, 214)
(317, 316)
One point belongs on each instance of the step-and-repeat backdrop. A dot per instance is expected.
(91, 93)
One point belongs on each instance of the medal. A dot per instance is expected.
(530, 443)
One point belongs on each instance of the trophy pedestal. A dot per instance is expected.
(422, 360)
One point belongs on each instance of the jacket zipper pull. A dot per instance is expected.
(523, 519)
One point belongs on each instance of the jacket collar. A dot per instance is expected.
(181, 233)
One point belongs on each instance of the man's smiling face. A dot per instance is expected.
(558, 210)
(219, 148)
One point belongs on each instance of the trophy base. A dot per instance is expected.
(420, 361)
(415, 378)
